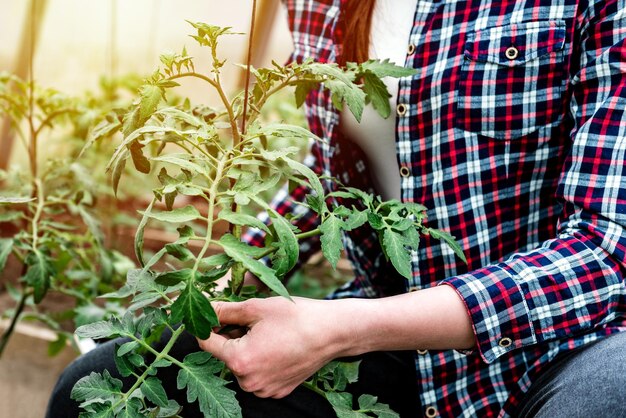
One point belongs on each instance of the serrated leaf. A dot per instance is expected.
(394, 246)
(39, 274)
(242, 219)
(151, 96)
(385, 68)
(140, 230)
(287, 241)
(448, 239)
(355, 220)
(195, 311)
(142, 164)
(118, 170)
(172, 278)
(349, 94)
(127, 348)
(6, 246)
(179, 251)
(377, 94)
(370, 404)
(179, 215)
(124, 366)
(332, 243)
(180, 160)
(310, 175)
(243, 253)
(101, 329)
(214, 398)
(132, 409)
(302, 90)
(96, 386)
(153, 390)
(15, 199)
(342, 405)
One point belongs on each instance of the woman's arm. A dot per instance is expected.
(288, 341)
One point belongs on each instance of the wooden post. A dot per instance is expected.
(265, 17)
(34, 16)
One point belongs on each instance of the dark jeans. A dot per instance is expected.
(390, 376)
(588, 382)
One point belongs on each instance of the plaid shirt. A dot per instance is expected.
(513, 133)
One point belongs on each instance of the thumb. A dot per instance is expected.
(216, 345)
(235, 313)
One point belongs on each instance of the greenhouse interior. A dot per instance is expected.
(312, 208)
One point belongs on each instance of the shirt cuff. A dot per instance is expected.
(498, 310)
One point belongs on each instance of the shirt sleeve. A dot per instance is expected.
(574, 282)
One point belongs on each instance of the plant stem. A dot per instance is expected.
(249, 59)
(314, 388)
(159, 356)
(16, 316)
(219, 172)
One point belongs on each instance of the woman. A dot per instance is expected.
(511, 133)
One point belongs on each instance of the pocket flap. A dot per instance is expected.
(525, 42)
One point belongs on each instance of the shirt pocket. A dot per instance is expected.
(512, 79)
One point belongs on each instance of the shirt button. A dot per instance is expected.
(411, 49)
(511, 53)
(422, 352)
(431, 412)
(401, 109)
(404, 171)
(505, 342)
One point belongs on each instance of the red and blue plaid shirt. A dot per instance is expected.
(513, 133)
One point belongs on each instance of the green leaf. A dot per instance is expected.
(243, 253)
(15, 199)
(172, 410)
(195, 311)
(124, 366)
(370, 404)
(172, 278)
(310, 175)
(355, 220)
(118, 169)
(303, 89)
(332, 243)
(97, 387)
(394, 246)
(140, 230)
(179, 215)
(153, 390)
(142, 164)
(39, 273)
(242, 219)
(287, 241)
(151, 96)
(101, 329)
(385, 68)
(132, 409)
(179, 251)
(353, 96)
(214, 398)
(127, 348)
(448, 239)
(377, 94)
(180, 160)
(6, 246)
(342, 404)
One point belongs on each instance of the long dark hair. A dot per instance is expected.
(357, 17)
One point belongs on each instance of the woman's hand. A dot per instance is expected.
(287, 341)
